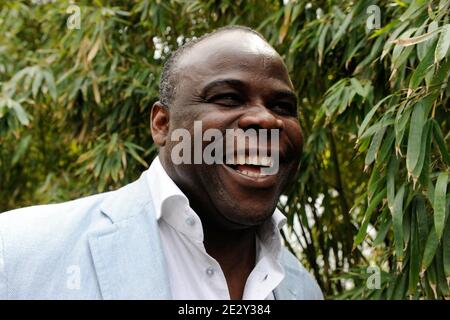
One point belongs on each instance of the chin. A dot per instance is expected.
(239, 202)
(249, 216)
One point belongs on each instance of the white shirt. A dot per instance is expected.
(193, 273)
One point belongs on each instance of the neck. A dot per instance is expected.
(235, 252)
(232, 247)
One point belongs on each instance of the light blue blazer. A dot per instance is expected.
(105, 246)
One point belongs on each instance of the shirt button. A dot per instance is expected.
(190, 221)
(210, 271)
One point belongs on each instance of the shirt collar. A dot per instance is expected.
(279, 219)
(163, 188)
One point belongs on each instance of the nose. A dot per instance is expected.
(259, 117)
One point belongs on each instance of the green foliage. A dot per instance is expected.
(373, 184)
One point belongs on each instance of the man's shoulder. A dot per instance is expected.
(71, 220)
(58, 214)
(298, 279)
(41, 247)
(44, 227)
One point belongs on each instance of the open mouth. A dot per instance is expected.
(251, 166)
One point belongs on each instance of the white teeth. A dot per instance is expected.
(252, 160)
(251, 173)
(240, 159)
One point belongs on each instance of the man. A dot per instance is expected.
(182, 231)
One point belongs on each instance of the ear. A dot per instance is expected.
(159, 122)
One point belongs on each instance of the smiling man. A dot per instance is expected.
(189, 230)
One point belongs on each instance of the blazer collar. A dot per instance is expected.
(127, 254)
(289, 288)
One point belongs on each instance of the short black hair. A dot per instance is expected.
(168, 81)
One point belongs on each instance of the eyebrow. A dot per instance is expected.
(220, 82)
(286, 94)
(235, 83)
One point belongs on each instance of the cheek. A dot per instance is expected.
(180, 120)
(218, 119)
(294, 135)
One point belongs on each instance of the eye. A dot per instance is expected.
(226, 99)
(285, 108)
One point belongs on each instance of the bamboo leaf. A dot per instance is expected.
(298, 9)
(401, 121)
(424, 47)
(131, 149)
(397, 220)
(439, 139)
(93, 52)
(446, 249)
(426, 140)
(370, 114)
(413, 9)
(430, 249)
(21, 149)
(400, 53)
(415, 136)
(96, 91)
(21, 114)
(374, 146)
(430, 282)
(50, 81)
(442, 44)
(415, 40)
(343, 27)
(422, 222)
(383, 229)
(442, 283)
(414, 255)
(37, 83)
(427, 163)
(286, 22)
(440, 78)
(387, 145)
(439, 203)
(391, 174)
(321, 45)
(390, 41)
(406, 226)
(367, 215)
(401, 287)
(357, 87)
(376, 180)
(385, 122)
(421, 70)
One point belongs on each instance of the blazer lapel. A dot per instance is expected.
(127, 254)
(286, 289)
(297, 284)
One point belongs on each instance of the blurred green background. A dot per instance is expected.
(373, 95)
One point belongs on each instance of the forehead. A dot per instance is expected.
(232, 53)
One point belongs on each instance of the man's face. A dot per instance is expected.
(233, 80)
